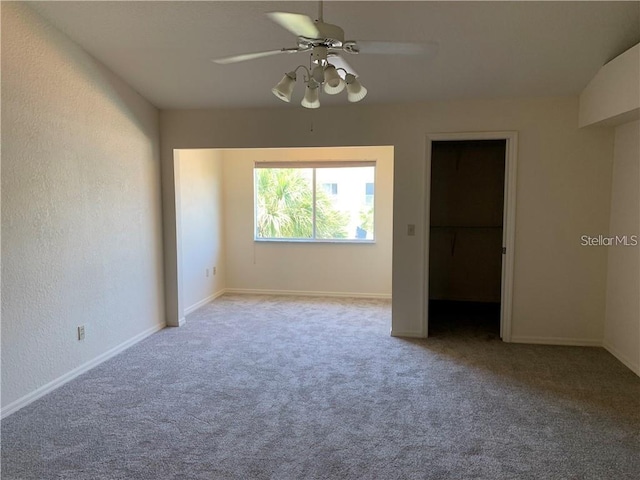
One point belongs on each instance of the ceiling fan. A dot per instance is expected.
(327, 68)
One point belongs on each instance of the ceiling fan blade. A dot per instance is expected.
(339, 62)
(396, 48)
(299, 25)
(250, 56)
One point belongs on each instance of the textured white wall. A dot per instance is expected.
(201, 225)
(306, 267)
(564, 191)
(622, 323)
(612, 96)
(81, 216)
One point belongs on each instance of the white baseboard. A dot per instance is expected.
(569, 342)
(203, 302)
(633, 366)
(395, 333)
(85, 367)
(305, 293)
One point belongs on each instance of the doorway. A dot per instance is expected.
(469, 239)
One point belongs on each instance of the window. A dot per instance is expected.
(330, 188)
(314, 201)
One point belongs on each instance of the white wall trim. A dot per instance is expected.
(174, 298)
(562, 341)
(509, 221)
(406, 334)
(204, 301)
(85, 367)
(633, 366)
(304, 293)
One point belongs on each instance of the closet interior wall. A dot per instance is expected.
(467, 202)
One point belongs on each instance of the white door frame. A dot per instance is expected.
(508, 219)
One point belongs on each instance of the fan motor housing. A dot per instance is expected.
(330, 36)
(330, 32)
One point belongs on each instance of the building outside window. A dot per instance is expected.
(368, 194)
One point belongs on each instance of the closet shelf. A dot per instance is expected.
(465, 226)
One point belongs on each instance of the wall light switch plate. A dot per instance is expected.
(411, 229)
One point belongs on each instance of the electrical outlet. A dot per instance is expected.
(411, 230)
(215, 270)
(207, 273)
(80, 332)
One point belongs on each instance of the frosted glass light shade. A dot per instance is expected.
(318, 74)
(332, 82)
(311, 97)
(355, 90)
(284, 88)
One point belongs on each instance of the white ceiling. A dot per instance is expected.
(486, 49)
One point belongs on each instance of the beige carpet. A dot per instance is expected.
(307, 388)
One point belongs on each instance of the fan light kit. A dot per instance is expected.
(323, 74)
(327, 69)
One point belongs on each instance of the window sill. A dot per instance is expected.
(322, 241)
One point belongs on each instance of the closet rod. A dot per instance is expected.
(464, 226)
